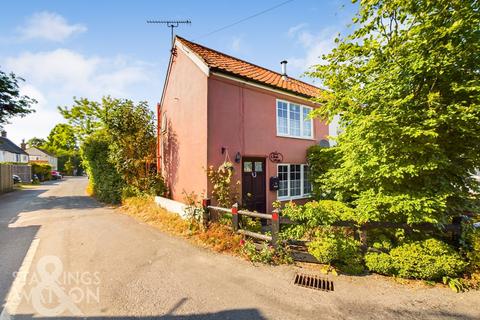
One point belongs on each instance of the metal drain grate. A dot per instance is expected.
(313, 282)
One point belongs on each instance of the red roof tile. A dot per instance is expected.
(231, 65)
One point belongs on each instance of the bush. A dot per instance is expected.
(105, 181)
(42, 170)
(335, 247)
(429, 260)
(313, 214)
(320, 160)
(267, 254)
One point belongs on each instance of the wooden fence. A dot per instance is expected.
(6, 181)
(360, 231)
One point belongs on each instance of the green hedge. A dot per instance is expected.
(42, 170)
(105, 181)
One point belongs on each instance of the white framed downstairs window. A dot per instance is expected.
(293, 120)
(294, 181)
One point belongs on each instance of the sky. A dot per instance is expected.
(67, 49)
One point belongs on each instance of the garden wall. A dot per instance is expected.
(171, 205)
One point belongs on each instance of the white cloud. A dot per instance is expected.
(314, 44)
(49, 26)
(54, 77)
(293, 30)
(236, 44)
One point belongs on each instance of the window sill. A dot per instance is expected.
(295, 137)
(306, 196)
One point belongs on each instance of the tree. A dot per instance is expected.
(12, 103)
(133, 148)
(127, 133)
(62, 139)
(85, 116)
(62, 142)
(36, 142)
(406, 84)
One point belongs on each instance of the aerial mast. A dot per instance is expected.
(171, 24)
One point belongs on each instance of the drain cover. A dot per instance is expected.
(313, 282)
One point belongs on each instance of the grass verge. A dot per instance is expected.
(218, 237)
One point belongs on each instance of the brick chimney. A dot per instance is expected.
(23, 145)
(4, 134)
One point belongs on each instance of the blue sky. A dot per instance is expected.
(94, 48)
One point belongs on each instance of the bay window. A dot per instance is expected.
(293, 120)
(294, 181)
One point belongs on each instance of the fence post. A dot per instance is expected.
(275, 227)
(235, 217)
(206, 212)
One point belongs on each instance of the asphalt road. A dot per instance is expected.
(75, 258)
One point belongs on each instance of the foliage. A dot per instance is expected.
(12, 103)
(63, 142)
(36, 142)
(133, 148)
(267, 254)
(127, 132)
(406, 84)
(336, 247)
(224, 191)
(455, 284)
(310, 216)
(429, 259)
(42, 170)
(84, 116)
(61, 137)
(106, 182)
(320, 161)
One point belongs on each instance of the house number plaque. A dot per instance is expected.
(276, 157)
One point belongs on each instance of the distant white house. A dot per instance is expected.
(38, 155)
(10, 152)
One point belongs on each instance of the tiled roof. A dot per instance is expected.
(7, 145)
(227, 64)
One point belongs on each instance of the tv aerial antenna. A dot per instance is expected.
(171, 24)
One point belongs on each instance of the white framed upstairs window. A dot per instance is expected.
(294, 182)
(293, 120)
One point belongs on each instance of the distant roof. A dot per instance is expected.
(227, 64)
(43, 150)
(9, 146)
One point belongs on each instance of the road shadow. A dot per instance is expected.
(64, 202)
(14, 241)
(234, 314)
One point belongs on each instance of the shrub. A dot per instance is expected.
(106, 182)
(320, 160)
(314, 214)
(42, 170)
(335, 247)
(429, 260)
(267, 254)
(224, 191)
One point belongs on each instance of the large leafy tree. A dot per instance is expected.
(406, 84)
(36, 142)
(128, 132)
(12, 103)
(85, 116)
(62, 141)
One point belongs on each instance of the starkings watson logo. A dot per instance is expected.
(51, 291)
